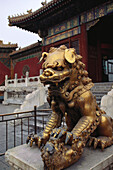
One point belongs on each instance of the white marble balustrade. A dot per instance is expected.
(16, 90)
(22, 82)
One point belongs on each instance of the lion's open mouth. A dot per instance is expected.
(52, 76)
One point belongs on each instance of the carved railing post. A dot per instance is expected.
(6, 78)
(15, 80)
(26, 79)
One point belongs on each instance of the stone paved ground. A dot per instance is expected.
(9, 109)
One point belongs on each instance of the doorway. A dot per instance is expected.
(100, 38)
(107, 69)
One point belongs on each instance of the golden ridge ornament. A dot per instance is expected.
(69, 96)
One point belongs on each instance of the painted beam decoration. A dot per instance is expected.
(61, 36)
(64, 26)
(72, 27)
(6, 62)
(63, 30)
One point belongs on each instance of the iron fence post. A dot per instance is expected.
(35, 119)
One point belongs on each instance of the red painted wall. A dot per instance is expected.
(3, 71)
(33, 65)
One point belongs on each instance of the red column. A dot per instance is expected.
(84, 45)
(12, 70)
(43, 49)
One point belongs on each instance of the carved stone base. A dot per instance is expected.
(23, 158)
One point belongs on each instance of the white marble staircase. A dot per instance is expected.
(101, 89)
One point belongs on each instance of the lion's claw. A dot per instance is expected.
(60, 133)
(29, 138)
(91, 139)
(34, 138)
(55, 132)
(99, 141)
(31, 141)
(96, 141)
(69, 137)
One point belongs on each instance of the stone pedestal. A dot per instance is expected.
(25, 158)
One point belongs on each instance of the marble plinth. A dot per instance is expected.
(25, 158)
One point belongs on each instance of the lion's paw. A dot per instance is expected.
(100, 141)
(61, 134)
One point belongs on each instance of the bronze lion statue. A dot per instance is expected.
(70, 97)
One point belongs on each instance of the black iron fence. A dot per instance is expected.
(15, 127)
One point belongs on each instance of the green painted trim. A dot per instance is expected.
(27, 57)
(38, 54)
(6, 62)
(63, 29)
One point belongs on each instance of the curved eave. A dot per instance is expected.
(20, 21)
(30, 47)
(54, 12)
(9, 47)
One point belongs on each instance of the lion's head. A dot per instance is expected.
(63, 64)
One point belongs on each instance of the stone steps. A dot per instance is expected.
(101, 89)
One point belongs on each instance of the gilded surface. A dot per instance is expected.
(70, 97)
